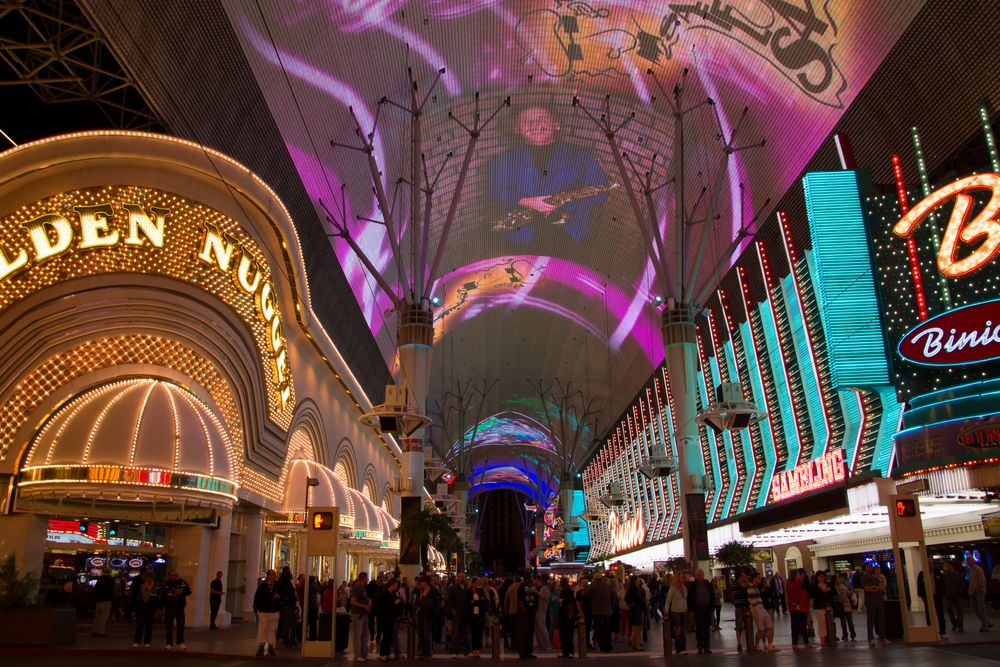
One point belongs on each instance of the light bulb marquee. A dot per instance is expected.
(123, 229)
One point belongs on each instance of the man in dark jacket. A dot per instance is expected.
(600, 595)
(104, 596)
(456, 602)
(701, 600)
(173, 596)
(527, 605)
(267, 607)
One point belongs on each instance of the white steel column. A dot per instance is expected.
(681, 358)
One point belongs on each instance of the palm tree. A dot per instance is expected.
(429, 527)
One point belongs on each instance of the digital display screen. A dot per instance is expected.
(544, 228)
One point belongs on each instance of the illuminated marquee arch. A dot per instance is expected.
(141, 231)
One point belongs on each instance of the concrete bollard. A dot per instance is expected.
(495, 642)
(581, 636)
(667, 639)
(751, 645)
(411, 641)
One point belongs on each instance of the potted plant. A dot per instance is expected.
(22, 621)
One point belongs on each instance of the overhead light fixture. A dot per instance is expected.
(730, 411)
(435, 301)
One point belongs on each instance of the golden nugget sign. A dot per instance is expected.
(126, 229)
(824, 471)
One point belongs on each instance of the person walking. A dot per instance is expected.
(954, 589)
(601, 608)
(843, 607)
(361, 606)
(478, 605)
(287, 620)
(874, 584)
(215, 594)
(761, 599)
(823, 597)
(675, 606)
(741, 607)
(798, 606)
(635, 602)
(569, 612)
(386, 610)
(104, 597)
(777, 583)
(701, 599)
(143, 598)
(173, 597)
(510, 614)
(977, 592)
(267, 609)
(527, 605)
(457, 598)
(542, 639)
(719, 586)
(426, 601)
(588, 617)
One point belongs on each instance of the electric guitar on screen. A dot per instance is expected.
(523, 216)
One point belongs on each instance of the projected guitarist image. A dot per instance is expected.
(543, 184)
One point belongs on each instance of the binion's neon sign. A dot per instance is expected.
(626, 533)
(960, 229)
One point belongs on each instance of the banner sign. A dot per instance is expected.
(966, 335)
(950, 441)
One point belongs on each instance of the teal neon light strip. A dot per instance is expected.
(782, 390)
(713, 367)
(716, 375)
(734, 471)
(765, 426)
(713, 441)
(810, 380)
(852, 423)
(891, 410)
(845, 283)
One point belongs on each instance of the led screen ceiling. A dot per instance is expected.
(568, 292)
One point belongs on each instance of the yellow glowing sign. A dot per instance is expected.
(127, 229)
(984, 227)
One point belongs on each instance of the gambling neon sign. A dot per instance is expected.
(816, 474)
(983, 228)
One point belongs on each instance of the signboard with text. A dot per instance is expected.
(810, 476)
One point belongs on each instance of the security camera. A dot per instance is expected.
(614, 497)
(730, 411)
(658, 465)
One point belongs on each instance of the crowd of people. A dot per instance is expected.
(529, 613)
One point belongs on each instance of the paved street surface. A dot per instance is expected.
(235, 646)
